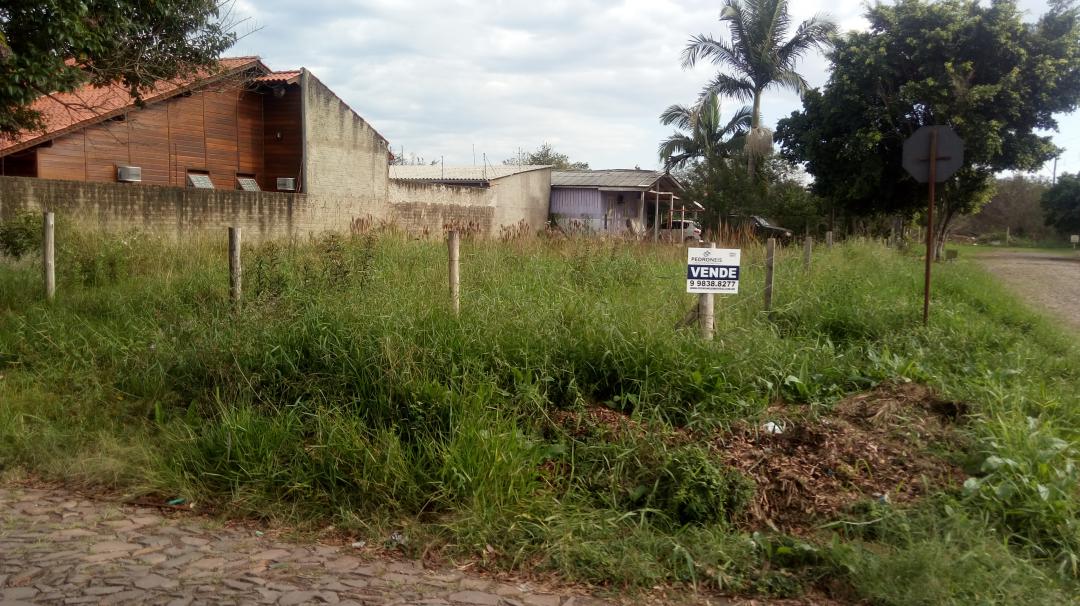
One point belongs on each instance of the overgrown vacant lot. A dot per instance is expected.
(562, 423)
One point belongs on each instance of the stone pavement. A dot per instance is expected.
(56, 549)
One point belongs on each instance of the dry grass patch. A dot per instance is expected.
(886, 445)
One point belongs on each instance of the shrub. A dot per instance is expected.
(20, 235)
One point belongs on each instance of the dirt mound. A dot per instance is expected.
(598, 420)
(871, 446)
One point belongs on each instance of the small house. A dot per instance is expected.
(617, 201)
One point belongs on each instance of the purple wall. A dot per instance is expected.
(576, 203)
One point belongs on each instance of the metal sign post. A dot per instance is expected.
(944, 156)
(930, 227)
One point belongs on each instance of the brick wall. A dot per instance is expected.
(429, 208)
(175, 210)
(426, 207)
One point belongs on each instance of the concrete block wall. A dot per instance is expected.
(430, 208)
(522, 197)
(177, 211)
(427, 220)
(344, 156)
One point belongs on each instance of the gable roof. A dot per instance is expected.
(291, 76)
(62, 113)
(459, 174)
(633, 178)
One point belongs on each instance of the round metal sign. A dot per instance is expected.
(950, 153)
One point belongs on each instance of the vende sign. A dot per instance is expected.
(713, 270)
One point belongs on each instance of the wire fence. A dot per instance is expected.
(703, 313)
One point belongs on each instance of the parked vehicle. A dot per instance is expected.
(760, 226)
(680, 230)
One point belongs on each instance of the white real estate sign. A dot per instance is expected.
(713, 270)
(1075, 239)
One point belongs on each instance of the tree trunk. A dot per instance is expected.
(755, 123)
(942, 228)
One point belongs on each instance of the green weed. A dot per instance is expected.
(345, 390)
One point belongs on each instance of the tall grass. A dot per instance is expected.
(345, 390)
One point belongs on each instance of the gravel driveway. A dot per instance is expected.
(1048, 281)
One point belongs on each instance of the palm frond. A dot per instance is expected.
(705, 47)
(707, 114)
(790, 79)
(775, 25)
(814, 32)
(679, 115)
(740, 122)
(676, 150)
(740, 22)
(734, 145)
(725, 85)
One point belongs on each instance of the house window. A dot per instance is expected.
(247, 182)
(199, 179)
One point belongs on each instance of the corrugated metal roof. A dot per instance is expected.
(638, 179)
(459, 174)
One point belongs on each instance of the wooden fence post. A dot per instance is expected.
(48, 253)
(808, 251)
(706, 309)
(453, 241)
(235, 270)
(770, 259)
(829, 239)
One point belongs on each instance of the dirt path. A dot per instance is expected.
(56, 549)
(1049, 281)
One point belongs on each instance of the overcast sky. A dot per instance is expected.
(442, 78)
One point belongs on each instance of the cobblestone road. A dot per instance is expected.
(55, 549)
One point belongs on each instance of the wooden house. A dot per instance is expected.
(617, 201)
(241, 126)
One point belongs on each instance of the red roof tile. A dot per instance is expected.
(64, 112)
(288, 77)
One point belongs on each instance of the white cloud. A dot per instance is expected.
(589, 76)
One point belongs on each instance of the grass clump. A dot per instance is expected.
(20, 235)
(345, 391)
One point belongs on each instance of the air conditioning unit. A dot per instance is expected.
(129, 174)
(286, 183)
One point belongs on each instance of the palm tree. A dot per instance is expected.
(760, 56)
(704, 135)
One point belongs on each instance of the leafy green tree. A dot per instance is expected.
(725, 188)
(1016, 207)
(978, 68)
(545, 155)
(49, 46)
(1061, 204)
(759, 55)
(705, 136)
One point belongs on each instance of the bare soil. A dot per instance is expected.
(881, 445)
(889, 444)
(1047, 281)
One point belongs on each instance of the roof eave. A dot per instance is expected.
(121, 110)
